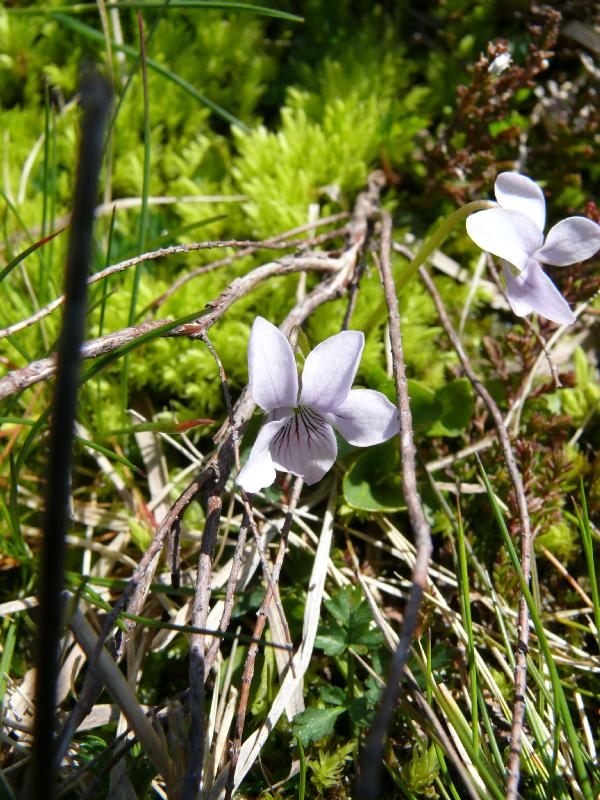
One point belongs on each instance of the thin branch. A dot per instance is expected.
(197, 672)
(236, 565)
(224, 262)
(514, 759)
(367, 787)
(276, 243)
(45, 368)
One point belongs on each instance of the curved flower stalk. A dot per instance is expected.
(298, 436)
(514, 231)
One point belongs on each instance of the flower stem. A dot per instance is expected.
(430, 245)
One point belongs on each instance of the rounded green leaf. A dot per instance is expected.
(373, 482)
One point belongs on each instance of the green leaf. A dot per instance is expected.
(457, 401)
(332, 640)
(22, 256)
(333, 696)
(352, 624)
(315, 724)
(425, 406)
(373, 482)
(360, 710)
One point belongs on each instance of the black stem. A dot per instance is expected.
(95, 101)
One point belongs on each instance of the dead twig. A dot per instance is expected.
(45, 368)
(367, 786)
(514, 759)
(132, 597)
(275, 243)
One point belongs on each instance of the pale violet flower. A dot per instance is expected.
(501, 63)
(514, 231)
(298, 435)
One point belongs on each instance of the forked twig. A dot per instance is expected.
(514, 759)
(367, 786)
(44, 368)
(249, 247)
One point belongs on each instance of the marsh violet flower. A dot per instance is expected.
(514, 231)
(298, 435)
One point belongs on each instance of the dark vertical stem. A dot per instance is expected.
(95, 100)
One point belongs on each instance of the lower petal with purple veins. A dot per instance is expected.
(305, 445)
(259, 470)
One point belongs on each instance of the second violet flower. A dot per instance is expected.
(514, 231)
(298, 435)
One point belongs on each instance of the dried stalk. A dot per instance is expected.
(121, 692)
(514, 759)
(224, 262)
(367, 786)
(92, 685)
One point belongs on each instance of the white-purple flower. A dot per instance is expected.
(514, 231)
(298, 436)
(501, 63)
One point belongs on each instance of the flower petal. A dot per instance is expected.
(271, 367)
(508, 234)
(330, 369)
(366, 418)
(259, 471)
(572, 240)
(533, 290)
(305, 446)
(519, 193)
